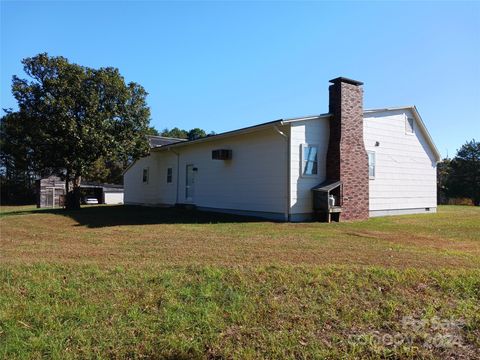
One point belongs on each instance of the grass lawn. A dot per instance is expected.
(133, 282)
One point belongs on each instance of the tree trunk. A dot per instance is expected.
(76, 192)
(73, 196)
(67, 182)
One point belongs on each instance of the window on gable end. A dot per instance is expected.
(409, 125)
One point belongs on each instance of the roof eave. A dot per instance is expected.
(306, 118)
(222, 135)
(243, 130)
(427, 134)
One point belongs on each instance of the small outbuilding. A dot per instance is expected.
(51, 192)
(105, 193)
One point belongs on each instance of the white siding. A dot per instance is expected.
(113, 198)
(254, 180)
(405, 174)
(156, 191)
(311, 132)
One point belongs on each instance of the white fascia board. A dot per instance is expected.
(306, 118)
(222, 135)
(254, 128)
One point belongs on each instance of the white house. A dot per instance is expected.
(347, 164)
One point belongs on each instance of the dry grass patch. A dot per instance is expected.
(133, 235)
(130, 283)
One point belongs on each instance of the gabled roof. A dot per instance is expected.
(280, 122)
(162, 143)
(418, 120)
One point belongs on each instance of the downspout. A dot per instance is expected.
(178, 172)
(288, 165)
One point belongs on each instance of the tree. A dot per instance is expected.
(192, 134)
(152, 131)
(443, 174)
(464, 177)
(16, 175)
(175, 133)
(104, 170)
(196, 133)
(74, 115)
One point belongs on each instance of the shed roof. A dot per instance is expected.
(327, 185)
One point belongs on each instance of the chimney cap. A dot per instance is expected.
(346, 80)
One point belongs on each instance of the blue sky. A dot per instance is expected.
(225, 65)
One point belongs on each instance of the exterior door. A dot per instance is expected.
(190, 183)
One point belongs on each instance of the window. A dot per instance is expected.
(371, 165)
(169, 175)
(309, 160)
(145, 176)
(409, 125)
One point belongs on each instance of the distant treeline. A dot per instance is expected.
(192, 134)
(459, 177)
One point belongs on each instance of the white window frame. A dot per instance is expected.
(302, 161)
(407, 125)
(169, 176)
(372, 177)
(143, 175)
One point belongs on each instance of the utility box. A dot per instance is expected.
(327, 201)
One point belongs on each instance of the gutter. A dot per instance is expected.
(225, 134)
(287, 157)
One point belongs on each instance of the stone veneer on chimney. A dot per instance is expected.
(347, 159)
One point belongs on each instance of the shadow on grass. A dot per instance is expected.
(104, 216)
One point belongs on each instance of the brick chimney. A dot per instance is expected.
(347, 159)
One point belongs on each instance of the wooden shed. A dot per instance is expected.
(50, 192)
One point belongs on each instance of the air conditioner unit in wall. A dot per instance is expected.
(222, 154)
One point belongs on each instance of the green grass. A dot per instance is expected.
(127, 282)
